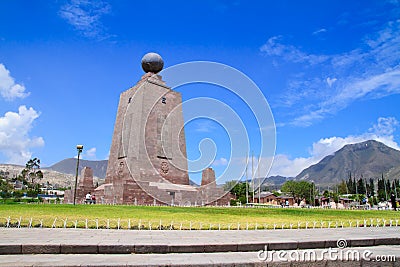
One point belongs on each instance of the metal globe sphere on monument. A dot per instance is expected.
(152, 62)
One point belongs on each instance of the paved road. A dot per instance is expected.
(76, 247)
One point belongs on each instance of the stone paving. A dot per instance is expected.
(196, 259)
(80, 247)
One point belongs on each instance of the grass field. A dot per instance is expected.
(146, 217)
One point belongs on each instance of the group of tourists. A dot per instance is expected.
(90, 199)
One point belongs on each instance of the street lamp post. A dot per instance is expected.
(247, 179)
(79, 148)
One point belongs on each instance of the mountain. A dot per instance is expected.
(276, 180)
(394, 173)
(53, 177)
(370, 159)
(270, 181)
(68, 166)
(62, 173)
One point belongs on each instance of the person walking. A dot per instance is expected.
(394, 202)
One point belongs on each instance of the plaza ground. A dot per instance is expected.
(86, 247)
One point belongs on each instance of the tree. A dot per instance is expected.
(5, 189)
(290, 187)
(351, 184)
(18, 194)
(370, 188)
(239, 190)
(383, 189)
(342, 188)
(299, 190)
(33, 191)
(305, 191)
(32, 170)
(396, 187)
(361, 186)
(229, 185)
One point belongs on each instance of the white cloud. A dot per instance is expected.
(371, 71)
(319, 31)
(382, 131)
(385, 126)
(90, 154)
(259, 166)
(284, 166)
(220, 162)
(307, 119)
(289, 52)
(15, 142)
(85, 16)
(385, 83)
(10, 90)
(375, 86)
(330, 81)
(205, 126)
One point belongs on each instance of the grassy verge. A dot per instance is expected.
(143, 217)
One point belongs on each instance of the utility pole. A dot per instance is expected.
(79, 148)
(252, 173)
(259, 180)
(247, 180)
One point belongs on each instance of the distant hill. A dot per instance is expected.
(69, 166)
(55, 178)
(276, 180)
(394, 173)
(370, 159)
(62, 173)
(271, 182)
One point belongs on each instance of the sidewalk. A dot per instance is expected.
(227, 259)
(82, 241)
(81, 247)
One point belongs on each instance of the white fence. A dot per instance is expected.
(137, 224)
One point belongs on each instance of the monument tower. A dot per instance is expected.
(148, 162)
(148, 145)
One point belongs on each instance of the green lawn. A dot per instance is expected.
(104, 216)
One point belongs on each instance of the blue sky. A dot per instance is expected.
(329, 70)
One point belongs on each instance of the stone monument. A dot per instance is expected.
(85, 185)
(148, 163)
